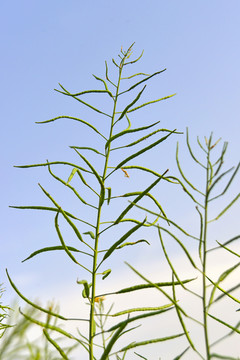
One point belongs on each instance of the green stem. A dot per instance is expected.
(97, 233)
(204, 289)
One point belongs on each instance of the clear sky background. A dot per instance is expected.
(47, 42)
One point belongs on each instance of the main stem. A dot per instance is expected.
(94, 268)
(204, 292)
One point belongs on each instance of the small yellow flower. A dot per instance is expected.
(99, 299)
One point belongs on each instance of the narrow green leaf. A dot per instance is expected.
(201, 146)
(151, 341)
(191, 152)
(167, 258)
(223, 291)
(140, 82)
(65, 92)
(106, 273)
(181, 319)
(70, 187)
(114, 62)
(109, 190)
(140, 152)
(231, 251)
(231, 240)
(128, 131)
(142, 357)
(129, 243)
(228, 184)
(52, 327)
(143, 138)
(181, 355)
(131, 76)
(182, 246)
(86, 184)
(224, 337)
(110, 344)
(138, 317)
(55, 344)
(150, 196)
(87, 148)
(200, 246)
(218, 356)
(183, 176)
(151, 285)
(96, 175)
(107, 77)
(128, 311)
(224, 244)
(52, 163)
(31, 303)
(139, 197)
(131, 104)
(228, 292)
(122, 239)
(164, 218)
(221, 278)
(133, 243)
(225, 324)
(134, 61)
(52, 248)
(151, 102)
(184, 189)
(86, 287)
(71, 175)
(113, 224)
(73, 226)
(50, 209)
(104, 82)
(155, 285)
(90, 233)
(143, 169)
(129, 123)
(93, 92)
(220, 159)
(218, 179)
(226, 208)
(64, 245)
(72, 118)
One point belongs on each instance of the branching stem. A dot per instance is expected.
(97, 233)
(204, 264)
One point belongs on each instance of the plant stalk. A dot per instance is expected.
(97, 233)
(204, 289)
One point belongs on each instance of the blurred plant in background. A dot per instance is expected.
(19, 341)
(4, 314)
(211, 189)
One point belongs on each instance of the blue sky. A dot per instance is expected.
(47, 42)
